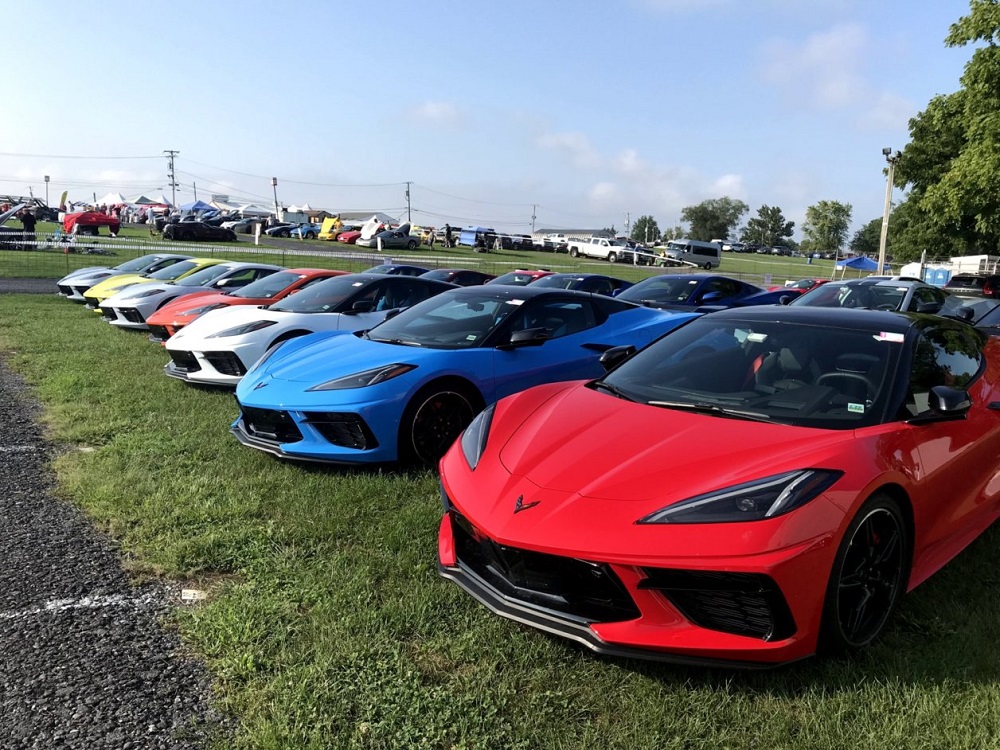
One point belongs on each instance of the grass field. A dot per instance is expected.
(52, 263)
(328, 626)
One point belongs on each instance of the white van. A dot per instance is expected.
(707, 255)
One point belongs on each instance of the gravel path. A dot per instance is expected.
(84, 660)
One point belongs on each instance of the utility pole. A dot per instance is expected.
(274, 187)
(534, 207)
(628, 224)
(46, 190)
(171, 153)
(891, 158)
(408, 183)
(195, 186)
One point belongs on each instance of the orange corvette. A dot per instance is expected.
(169, 319)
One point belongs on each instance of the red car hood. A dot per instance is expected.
(591, 443)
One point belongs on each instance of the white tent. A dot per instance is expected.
(162, 200)
(111, 199)
(140, 200)
(252, 210)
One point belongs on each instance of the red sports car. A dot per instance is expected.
(173, 316)
(761, 484)
(88, 222)
(798, 287)
(349, 237)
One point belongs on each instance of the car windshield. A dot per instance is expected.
(268, 286)
(325, 296)
(448, 321)
(134, 266)
(175, 271)
(205, 276)
(777, 371)
(661, 289)
(558, 281)
(845, 294)
(514, 277)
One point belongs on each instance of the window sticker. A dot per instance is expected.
(895, 338)
(856, 408)
(757, 337)
(515, 302)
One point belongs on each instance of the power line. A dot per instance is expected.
(67, 156)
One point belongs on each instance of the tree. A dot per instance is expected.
(673, 233)
(866, 240)
(768, 228)
(825, 228)
(714, 219)
(952, 163)
(645, 231)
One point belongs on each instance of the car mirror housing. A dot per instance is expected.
(527, 337)
(614, 356)
(945, 403)
(361, 306)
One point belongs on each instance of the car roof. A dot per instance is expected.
(509, 291)
(876, 320)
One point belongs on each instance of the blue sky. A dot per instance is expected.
(579, 112)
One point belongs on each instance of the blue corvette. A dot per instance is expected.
(404, 390)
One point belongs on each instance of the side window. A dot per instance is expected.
(597, 286)
(558, 318)
(943, 356)
(400, 292)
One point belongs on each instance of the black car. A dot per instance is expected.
(397, 270)
(974, 285)
(460, 276)
(188, 231)
(595, 283)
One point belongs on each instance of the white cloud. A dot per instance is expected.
(438, 113)
(576, 146)
(888, 111)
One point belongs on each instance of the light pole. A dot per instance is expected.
(46, 190)
(274, 186)
(891, 157)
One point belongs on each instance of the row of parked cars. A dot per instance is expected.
(785, 488)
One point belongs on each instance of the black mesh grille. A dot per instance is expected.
(91, 302)
(158, 333)
(227, 363)
(131, 314)
(271, 425)
(748, 604)
(65, 289)
(347, 430)
(184, 361)
(588, 591)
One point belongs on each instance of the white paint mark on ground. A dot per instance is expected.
(19, 449)
(87, 602)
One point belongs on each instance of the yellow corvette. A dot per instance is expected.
(101, 291)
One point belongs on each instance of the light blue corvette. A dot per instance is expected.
(406, 389)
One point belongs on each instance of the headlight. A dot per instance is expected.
(202, 310)
(364, 379)
(753, 501)
(147, 293)
(473, 440)
(240, 330)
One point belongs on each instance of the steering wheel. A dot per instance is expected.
(846, 376)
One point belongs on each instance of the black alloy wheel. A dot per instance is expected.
(435, 420)
(869, 574)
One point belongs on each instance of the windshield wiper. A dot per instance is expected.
(705, 408)
(613, 390)
(397, 342)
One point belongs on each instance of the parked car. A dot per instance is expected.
(974, 285)
(391, 239)
(520, 277)
(10, 237)
(305, 232)
(679, 291)
(130, 307)
(765, 513)
(877, 293)
(279, 229)
(74, 285)
(407, 388)
(173, 316)
(219, 347)
(397, 269)
(197, 231)
(595, 283)
(798, 287)
(102, 290)
(88, 223)
(460, 276)
(246, 225)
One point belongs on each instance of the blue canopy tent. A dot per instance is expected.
(859, 264)
(196, 206)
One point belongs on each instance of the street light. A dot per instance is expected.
(274, 186)
(46, 190)
(891, 157)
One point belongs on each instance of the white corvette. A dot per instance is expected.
(220, 346)
(73, 285)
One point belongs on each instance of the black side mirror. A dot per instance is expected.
(785, 299)
(615, 356)
(945, 403)
(527, 337)
(361, 306)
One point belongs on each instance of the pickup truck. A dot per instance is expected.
(599, 247)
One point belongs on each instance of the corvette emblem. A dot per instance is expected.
(521, 505)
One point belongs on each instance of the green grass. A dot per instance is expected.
(132, 242)
(329, 627)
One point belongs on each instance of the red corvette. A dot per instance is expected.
(798, 287)
(756, 486)
(173, 316)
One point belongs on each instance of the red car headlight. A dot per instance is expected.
(752, 501)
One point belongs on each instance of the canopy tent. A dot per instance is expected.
(196, 206)
(859, 263)
(111, 199)
(161, 200)
(140, 200)
(253, 210)
(225, 206)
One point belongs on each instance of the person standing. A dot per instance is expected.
(28, 222)
(447, 235)
(430, 238)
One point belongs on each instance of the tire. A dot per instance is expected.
(573, 252)
(433, 420)
(310, 236)
(869, 574)
(708, 266)
(411, 245)
(612, 257)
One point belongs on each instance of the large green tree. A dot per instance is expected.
(826, 225)
(866, 240)
(769, 227)
(645, 230)
(713, 219)
(952, 163)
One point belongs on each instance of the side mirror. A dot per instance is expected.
(527, 337)
(710, 297)
(362, 306)
(785, 299)
(945, 403)
(614, 356)
(928, 307)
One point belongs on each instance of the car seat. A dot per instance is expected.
(785, 369)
